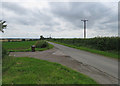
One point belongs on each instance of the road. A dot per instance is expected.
(105, 64)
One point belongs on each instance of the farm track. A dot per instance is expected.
(58, 56)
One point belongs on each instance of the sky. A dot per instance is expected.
(59, 19)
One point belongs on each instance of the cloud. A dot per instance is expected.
(59, 17)
(14, 7)
(75, 11)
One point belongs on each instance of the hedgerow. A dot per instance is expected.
(100, 43)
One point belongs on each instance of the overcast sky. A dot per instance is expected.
(60, 19)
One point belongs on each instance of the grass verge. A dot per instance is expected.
(104, 53)
(24, 70)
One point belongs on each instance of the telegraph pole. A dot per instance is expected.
(84, 22)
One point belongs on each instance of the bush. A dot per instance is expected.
(41, 44)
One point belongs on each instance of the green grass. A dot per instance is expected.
(104, 53)
(24, 70)
(18, 46)
(22, 46)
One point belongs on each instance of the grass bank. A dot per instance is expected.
(104, 53)
(24, 70)
(22, 46)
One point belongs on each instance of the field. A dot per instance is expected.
(11, 46)
(22, 46)
(24, 70)
(107, 46)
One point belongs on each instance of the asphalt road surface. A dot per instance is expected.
(105, 64)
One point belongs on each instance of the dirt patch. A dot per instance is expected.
(55, 55)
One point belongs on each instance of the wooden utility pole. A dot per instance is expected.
(84, 22)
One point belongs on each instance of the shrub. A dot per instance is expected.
(41, 44)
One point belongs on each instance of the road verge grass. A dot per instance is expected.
(25, 70)
(104, 53)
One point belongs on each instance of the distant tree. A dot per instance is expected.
(30, 39)
(2, 25)
(23, 39)
(8, 40)
(41, 37)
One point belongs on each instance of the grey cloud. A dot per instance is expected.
(70, 13)
(24, 16)
(76, 11)
(15, 7)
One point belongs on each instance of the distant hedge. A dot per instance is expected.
(100, 43)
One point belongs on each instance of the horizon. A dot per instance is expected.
(53, 37)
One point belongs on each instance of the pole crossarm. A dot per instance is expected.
(84, 20)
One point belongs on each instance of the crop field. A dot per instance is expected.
(22, 46)
(107, 46)
(11, 46)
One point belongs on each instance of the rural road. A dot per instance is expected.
(105, 64)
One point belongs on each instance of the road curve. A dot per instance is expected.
(105, 64)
